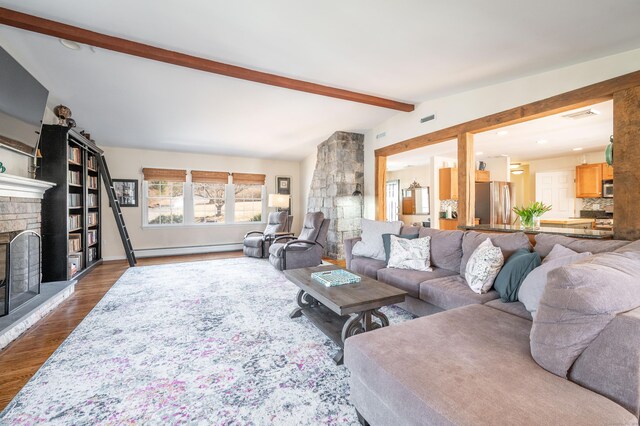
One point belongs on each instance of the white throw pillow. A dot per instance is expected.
(371, 244)
(412, 254)
(483, 267)
(530, 292)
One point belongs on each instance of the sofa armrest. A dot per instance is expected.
(348, 247)
(610, 365)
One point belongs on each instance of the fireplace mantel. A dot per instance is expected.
(17, 186)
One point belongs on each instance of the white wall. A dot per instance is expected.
(128, 163)
(465, 106)
(499, 168)
(421, 174)
(307, 167)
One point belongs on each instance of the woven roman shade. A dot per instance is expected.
(248, 178)
(199, 176)
(170, 175)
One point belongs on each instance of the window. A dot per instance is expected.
(248, 202)
(209, 202)
(165, 202)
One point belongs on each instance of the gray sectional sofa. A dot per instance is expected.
(471, 361)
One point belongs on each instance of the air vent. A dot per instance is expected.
(381, 135)
(582, 114)
(428, 118)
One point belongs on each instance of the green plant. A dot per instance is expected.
(166, 218)
(528, 215)
(256, 218)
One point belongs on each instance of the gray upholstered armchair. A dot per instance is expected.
(256, 243)
(288, 252)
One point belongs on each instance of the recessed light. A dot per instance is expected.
(479, 153)
(517, 172)
(70, 44)
(502, 132)
(577, 149)
(542, 141)
(514, 165)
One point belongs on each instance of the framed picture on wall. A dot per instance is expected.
(126, 192)
(283, 185)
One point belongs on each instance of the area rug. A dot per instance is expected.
(193, 343)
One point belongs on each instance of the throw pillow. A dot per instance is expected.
(513, 273)
(559, 251)
(483, 267)
(411, 254)
(533, 286)
(386, 242)
(371, 243)
(578, 303)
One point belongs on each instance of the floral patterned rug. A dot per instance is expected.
(193, 343)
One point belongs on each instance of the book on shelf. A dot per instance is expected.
(92, 200)
(75, 200)
(74, 155)
(92, 254)
(75, 221)
(75, 178)
(92, 237)
(92, 218)
(92, 163)
(75, 243)
(92, 182)
(74, 262)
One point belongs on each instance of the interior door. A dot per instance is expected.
(558, 190)
(393, 200)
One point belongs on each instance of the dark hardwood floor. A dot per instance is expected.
(23, 357)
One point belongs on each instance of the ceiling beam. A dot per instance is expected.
(116, 44)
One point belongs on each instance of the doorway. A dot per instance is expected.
(393, 200)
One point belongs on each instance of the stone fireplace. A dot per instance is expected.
(20, 265)
(338, 174)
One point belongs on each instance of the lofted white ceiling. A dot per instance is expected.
(408, 50)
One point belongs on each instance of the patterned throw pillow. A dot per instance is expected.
(483, 267)
(410, 254)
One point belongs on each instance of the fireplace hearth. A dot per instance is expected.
(20, 264)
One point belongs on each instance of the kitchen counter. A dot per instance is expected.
(572, 221)
(568, 232)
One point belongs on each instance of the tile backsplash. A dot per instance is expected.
(446, 203)
(596, 203)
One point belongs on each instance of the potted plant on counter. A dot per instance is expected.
(530, 216)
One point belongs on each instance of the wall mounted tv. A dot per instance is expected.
(23, 101)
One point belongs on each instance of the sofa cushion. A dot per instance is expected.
(513, 308)
(452, 292)
(545, 243)
(446, 248)
(386, 243)
(366, 266)
(634, 246)
(409, 280)
(513, 273)
(580, 300)
(371, 243)
(468, 366)
(508, 243)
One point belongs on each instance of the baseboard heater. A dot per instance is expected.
(176, 251)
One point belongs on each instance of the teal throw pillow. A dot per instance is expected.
(513, 273)
(386, 242)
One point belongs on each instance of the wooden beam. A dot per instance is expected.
(116, 44)
(626, 157)
(585, 96)
(466, 180)
(381, 188)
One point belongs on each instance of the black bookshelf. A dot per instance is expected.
(71, 217)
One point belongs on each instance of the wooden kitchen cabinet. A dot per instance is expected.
(449, 183)
(607, 172)
(483, 176)
(448, 224)
(589, 181)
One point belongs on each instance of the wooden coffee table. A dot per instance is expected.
(342, 311)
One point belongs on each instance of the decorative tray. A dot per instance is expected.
(335, 278)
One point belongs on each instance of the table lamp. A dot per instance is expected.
(280, 201)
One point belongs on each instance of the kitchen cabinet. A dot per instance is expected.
(483, 176)
(607, 172)
(589, 180)
(448, 183)
(415, 201)
(448, 224)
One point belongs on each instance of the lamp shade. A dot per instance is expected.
(279, 201)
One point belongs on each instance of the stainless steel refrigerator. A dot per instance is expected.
(495, 202)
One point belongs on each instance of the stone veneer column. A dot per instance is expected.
(339, 168)
(16, 215)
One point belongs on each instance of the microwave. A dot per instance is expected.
(607, 189)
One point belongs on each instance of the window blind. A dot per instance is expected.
(200, 176)
(165, 174)
(248, 178)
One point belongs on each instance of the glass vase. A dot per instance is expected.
(529, 222)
